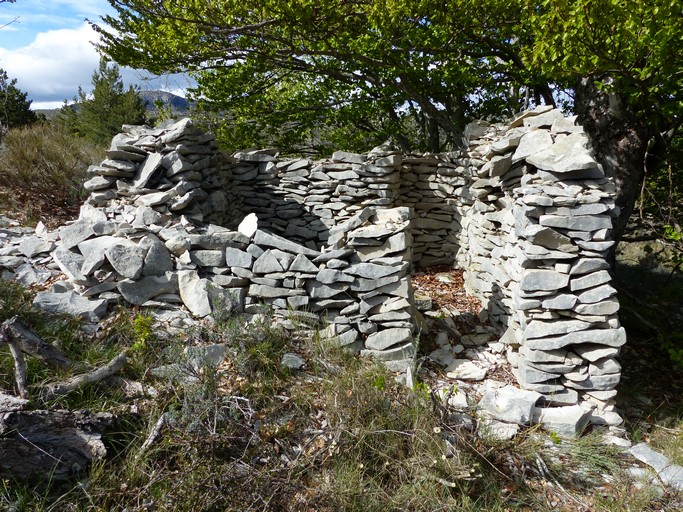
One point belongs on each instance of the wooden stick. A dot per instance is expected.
(14, 331)
(64, 387)
(19, 370)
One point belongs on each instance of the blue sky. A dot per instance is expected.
(47, 46)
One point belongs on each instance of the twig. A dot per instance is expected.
(64, 387)
(545, 472)
(153, 435)
(19, 370)
(14, 331)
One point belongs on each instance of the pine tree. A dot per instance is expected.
(15, 109)
(99, 115)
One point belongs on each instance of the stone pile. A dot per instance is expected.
(534, 240)
(174, 170)
(525, 211)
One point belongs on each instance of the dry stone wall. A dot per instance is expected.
(525, 211)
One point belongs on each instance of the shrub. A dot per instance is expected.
(42, 169)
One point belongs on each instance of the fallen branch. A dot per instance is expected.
(153, 435)
(19, 370)
(64, 387)
(13, 331)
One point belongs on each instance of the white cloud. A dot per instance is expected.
(53, 66)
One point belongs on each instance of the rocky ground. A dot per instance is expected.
(462, 364)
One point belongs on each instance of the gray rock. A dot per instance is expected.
(238, 258)
(157, 259)
(147, 170)
(371, 270)
(605, 337)
(194, 292)
(70, 303)
(647, 455)
(70, 264)
(127, 260)
(387, 338)
(267, 264)
(510, 404)
(565, 421)
(541, 329)
(329, 276)
(352, 158)
(277, 242)
(464, 369)
(140, 291)
(208, 258)
(532, 143)
(34, 245)
(597, 294)
(394, 353)
(577, 222)
(547, 280)
(292, 361)
(589, 280)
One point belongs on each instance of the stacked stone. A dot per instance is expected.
(176, 169)
(302, 200)
(433, 185)
(535, 241)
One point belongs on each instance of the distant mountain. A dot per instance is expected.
(177, 103)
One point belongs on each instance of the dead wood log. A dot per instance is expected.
(10, 403)
(13, 331)
(19, 370)
(66, 386)
(50, 446)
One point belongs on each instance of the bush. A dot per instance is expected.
(42, 169)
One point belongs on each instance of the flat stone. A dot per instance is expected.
(550, 238)
(531, 143)
(127, 260)
(70, 264)
(593, 352)
(394, 353)
(542, 329)
(71, 303)
(386, 338)
(510, 404)
(292, 361)
(590, 280)
(147, 170)
(371, 270)
(302, 264)
(607, 307)
(277, 242)
(497, 430)
(34, 245)
(577, 222)
(464, 369)
(267, 263)
(344, 156)
(605, 337)
(75, 233)
(562, 301)
(546, 280)
(318, 290)
(157, 259)
(140, 291)
(329, 276)
(238, 258)
(645, 454)
(208, 258)
(568, 421)
(153, 199)
(194, 292)
(597, 294)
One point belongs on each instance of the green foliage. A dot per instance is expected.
(142, 329)
(42, 169)
(99, 115)
(15, 109)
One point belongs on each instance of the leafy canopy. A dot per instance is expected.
(416, 70)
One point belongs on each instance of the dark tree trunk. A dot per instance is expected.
(620, 141)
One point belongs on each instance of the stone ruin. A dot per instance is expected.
(525, 210)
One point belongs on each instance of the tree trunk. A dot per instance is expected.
(620, 142)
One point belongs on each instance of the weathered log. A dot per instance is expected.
(14, 331)
(19, 370)
(64, 387)
(10, 403)
(54, 446)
